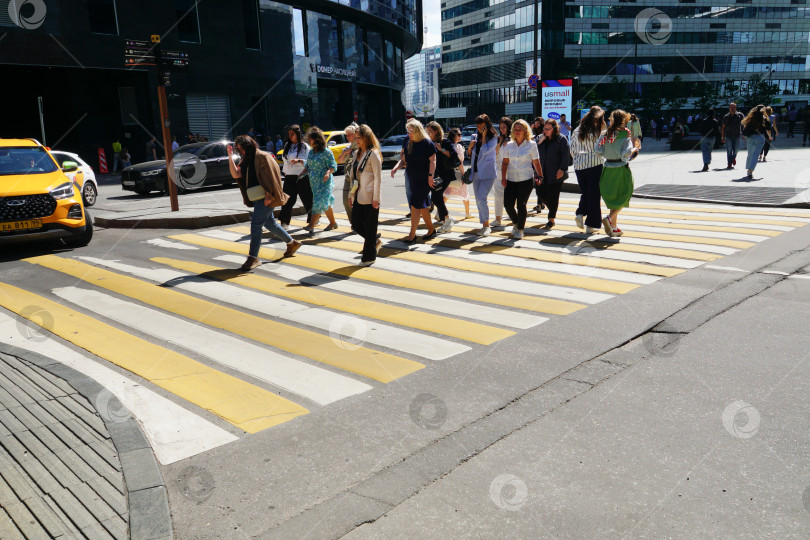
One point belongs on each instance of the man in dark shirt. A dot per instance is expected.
(151, 150)
(710, 129)
(791, 116)
(731, 133)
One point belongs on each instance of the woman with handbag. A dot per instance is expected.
(757, 131)
(555, 156)
(294, 156)
(521, 164)
(259, 180)
(320, 165)
(616, 184)
(482, 158)
(457, 188)
(365, 195)
(504, 132)
(420, 156)
(446, 162)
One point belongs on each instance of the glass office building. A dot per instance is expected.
(421, 94)
(487, 48)
(704, 41)
(252, 63)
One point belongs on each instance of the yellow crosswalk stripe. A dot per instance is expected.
(781, 212)
(738, 244)
(242, 404)
(458, 290)
(626, 219)
(375, 365)
(448, 326)
(539, 276)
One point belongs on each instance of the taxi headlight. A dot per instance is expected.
(63, 191)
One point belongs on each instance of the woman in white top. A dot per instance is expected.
(588, 167)
(294, 157)
(520, 163)
(504, 132)
(365, 198)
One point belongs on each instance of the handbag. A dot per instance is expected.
(438, 183)
(466, 177)
(255, 193)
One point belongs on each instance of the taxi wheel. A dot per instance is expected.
(83, 238)
(89, 194)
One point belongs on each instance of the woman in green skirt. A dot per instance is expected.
(616, 184)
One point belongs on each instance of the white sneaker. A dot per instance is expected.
(518, 235)
(590, 230)
(484, 231)
(496, 223)
(580, 221)
(448, 225)
(514, 231)
(285, 226)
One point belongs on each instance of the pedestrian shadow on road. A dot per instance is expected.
(746, 179)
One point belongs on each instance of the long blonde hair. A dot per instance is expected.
(419, 134)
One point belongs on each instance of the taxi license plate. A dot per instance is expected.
(21, 225)
(129, 182)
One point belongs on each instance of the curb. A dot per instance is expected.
(189, 222)
(147, 496)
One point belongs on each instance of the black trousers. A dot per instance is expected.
(364, 221)
(295, 186)
(590, 200)
(437, 198)
(517, 193)
(550, 195)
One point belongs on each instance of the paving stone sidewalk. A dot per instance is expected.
(73, 461)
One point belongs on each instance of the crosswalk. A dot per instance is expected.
(203, 354)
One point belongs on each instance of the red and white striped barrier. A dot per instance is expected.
(102, 162)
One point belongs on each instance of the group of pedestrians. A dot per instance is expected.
(758, 128)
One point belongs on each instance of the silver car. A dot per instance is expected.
(391, 148)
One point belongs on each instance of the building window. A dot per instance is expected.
(103, 17)
(188, 23)
(250, 20)
(300, 33)
(335, 49)
(389, 56)
(365, 47)
(375, 47)
(350, 43)
(129, 105)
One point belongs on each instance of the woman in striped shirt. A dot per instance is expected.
(588, 167)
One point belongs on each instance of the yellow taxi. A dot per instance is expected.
(335, 141)
(37, 199)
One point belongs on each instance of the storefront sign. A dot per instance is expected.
(557, 98)
(331, 70)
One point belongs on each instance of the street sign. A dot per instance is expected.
(174, 60)
(139, 53)
(532, 92)
(408, 114)
(533, 80)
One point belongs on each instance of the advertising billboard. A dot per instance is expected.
(557, 98)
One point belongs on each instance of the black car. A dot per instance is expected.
(197, 165)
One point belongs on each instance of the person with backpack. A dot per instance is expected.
(447, 161)
(756, 130)
(616, 185)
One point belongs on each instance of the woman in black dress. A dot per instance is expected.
(420, 162)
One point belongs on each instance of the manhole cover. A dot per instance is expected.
(752, 196)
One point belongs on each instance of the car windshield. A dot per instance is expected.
(189, 149)
(26, 160)
(469, 130)
(399, 140)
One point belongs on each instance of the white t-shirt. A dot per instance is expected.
(295, 168)
(520, 160)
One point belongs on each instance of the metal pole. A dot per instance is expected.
(42, 120)
(536, 68)
(635, 70)
(167, 144)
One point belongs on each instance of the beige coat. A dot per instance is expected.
(370, 180)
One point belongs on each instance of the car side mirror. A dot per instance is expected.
(331, 143)
(70, 166)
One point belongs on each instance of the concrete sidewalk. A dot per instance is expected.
(73, 463)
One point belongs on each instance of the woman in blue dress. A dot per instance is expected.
(320, 166)
(419, 159)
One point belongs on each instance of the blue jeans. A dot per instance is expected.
(754, 145)
(706, 146)
(732, 147)
(263, 217)
(482, 187)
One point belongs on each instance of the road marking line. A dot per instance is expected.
(775, 272)
(483, 274)
(447, 307)
(522, 301)
(173, 432)
(402, 340)
(799, 276)
(160, 242)
(314, 383)
(375, 365)
(244, 405)
(797, 221)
